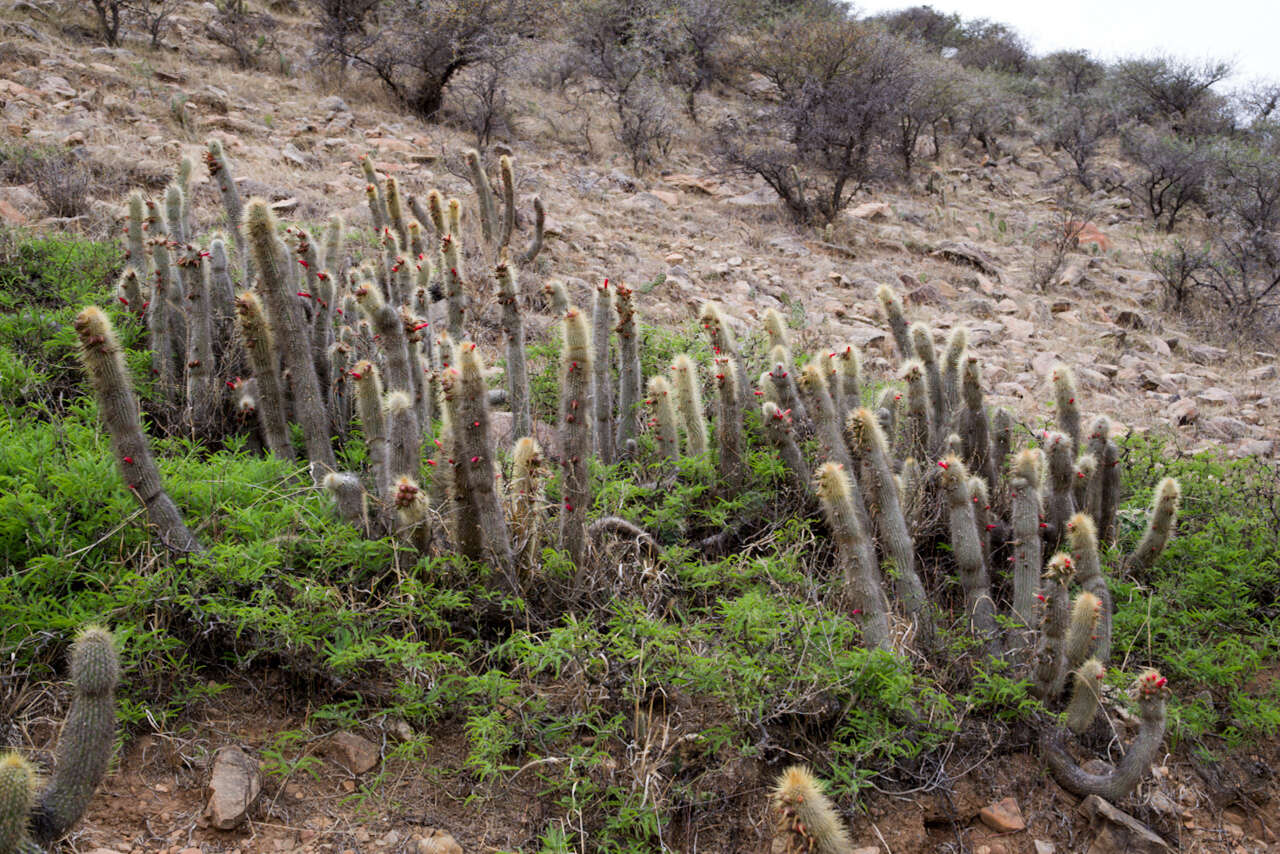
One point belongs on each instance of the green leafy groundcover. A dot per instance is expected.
(364, 629)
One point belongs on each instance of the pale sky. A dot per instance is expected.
(1246, 31)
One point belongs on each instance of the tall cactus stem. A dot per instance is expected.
(862, 585)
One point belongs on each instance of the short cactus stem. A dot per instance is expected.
(822, 409)
(1082, 539)
(435, 212)
(1028, 554)
(1059, 504)
(395, 211)
(629, 372)
(517, 367)
(846, 379)
(404, 439)
(413, 513)
(778, 430)
(666, 431)
(602, 373)
(952, 362)
(17, 797)
(805, 819)
(1086, 695)
(377, 205)
(103, 359)
(220, 172)
(776, 328)
(539, 226)
(526, 500)
(896, 317)
(967, 548)
(1152, 693)
(259, 345)
(575, 431)
(886, 409)
(349, 497)
(507, 179)
(1049, 671)
(130, 292)
(86, 742)
(689, 405)
(1001, 439)
(862, 585)
(1065, 401)
(729, 438)
(222, 289)
(484, 197)
(869, 445)
(135, 246)
(368, 385)
(922, 341)
(1086, 474)
(454, 290)
(291, 335)
(782, 376)
(1081, 632)
(558, 296)
(976, 430)
(724, 345)
(473, 444)
(918, 437)
(1160, 523)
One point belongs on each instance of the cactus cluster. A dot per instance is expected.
(327, 341)
(33, 817)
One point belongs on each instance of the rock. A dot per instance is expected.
(57, 86)
(872, 211)
(284, 205)
(1118, 832)
(1183, 411)
(1219, 396)
(1162, 803)
(291, 154)
(1203, 354)
(960, 252)
(1044, 847)
(1019, 328)
(1225, 427)
(1266, 372)
(1254, 448)
(675, 258)
(1003, 816)
(234, 785)
(439, 842)
(353, 752)
(764, 197)
(333, 104)
(667, 197)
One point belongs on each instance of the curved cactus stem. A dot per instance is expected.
(895, 316)
(777, 429)
(103, 359)
(1160, 523)
(862, 584)
(1120, 782)
(1086, 695)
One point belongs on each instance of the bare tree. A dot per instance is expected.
(1072, 71)
(110, 13)
(839, 82)
(1077, 124)
(1171, 172)
(1169, 88)
(415, 47)
(933, 90)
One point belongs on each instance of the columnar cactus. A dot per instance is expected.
(455, 292)
(30, 820)
(259, 346)
(220, 171)
(473, 446)
(967, 548)
(629, 375)
(1050, 662)
(349, 496)
(862, 585)
(896, 317)
(373, 424)
(666, 432)
(517, 368)
(525, 500)
(846, 379)
(729, 439)
(869, 445)
(1086, 695)
(1028, 554)
(957, 343)
(777, 429)
(922, 341)
(689, 405)
(918, 437)
(1160, 522)
(291, 336)
(1064, 393)
(1152, 693)
(806, 820)
(575, 431)
(602, 373)
(723, 343)
(103, 359)
(484, 197)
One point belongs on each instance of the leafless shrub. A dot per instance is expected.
(416, 47)
(110, 15)
(1072, 72)
(247, 34)
(63, 181)
(1077, 125)
(481, 99)
(1171, 172)
(1178, 267)
(152, 16)
(839, 82)
(1175, 92)
(341, 22)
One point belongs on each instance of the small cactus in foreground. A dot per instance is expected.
(806, 820)
(30, 820)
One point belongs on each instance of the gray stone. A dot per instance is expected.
(234, 785)
(353, 752)
(1118, 832)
